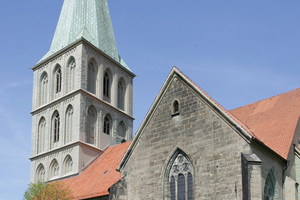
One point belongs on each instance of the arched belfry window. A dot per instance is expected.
(121, 94)
(71, 74)
(68, 124)
(58, 79)
(54, 167)
(178, 181)
(43, 88)
(40, 173)
(106, 85)
(41, 135)
(92, 78)
(91, 125)
(107, 124)
(55, 128)
(270, 189)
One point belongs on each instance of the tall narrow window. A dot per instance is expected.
(40, 173)
(69, 124)
(92, 76)
(270, 190)
(41, 135)
(58, 77)
(179, 178)
(91, 125)
(106, 125)
(106, 85)
(173, 188)
(71, 74)
(55, 128)
(121, 95)
(43, 89)
(175, 107)
(181, 187)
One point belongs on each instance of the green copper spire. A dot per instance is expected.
(89, 19)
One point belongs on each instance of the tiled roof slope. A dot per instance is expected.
(99, 176)
(273, 121)
(218, 105)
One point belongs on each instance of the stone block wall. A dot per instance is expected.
(213, 146)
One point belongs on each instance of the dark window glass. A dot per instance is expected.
(175, 107)
(106, 125)
(56, 127)
(106, 85)
(120, 96)
(181, 187)
(173, 192)
(58, 80)
(190, 186)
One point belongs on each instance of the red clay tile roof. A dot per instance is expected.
(273, 120)
(93, 181)
(217, 104)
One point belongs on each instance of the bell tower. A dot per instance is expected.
(82, 93)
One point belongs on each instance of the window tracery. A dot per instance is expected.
(40, 173)
(92, 76)
(71, 74)
(270, 187)
(91, 125)
(68, 164)
(41, 135)
(69, 124)
(179, 183)
(54, 168)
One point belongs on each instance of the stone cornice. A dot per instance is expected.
(75, 44)
(59, 149)
(73, 93)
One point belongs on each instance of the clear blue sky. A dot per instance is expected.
(237, 51)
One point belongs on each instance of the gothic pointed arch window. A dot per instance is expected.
(121, 95)
(41, 135)
(106, 85)
(54, 169)
(107, 124)
(122, 129)
(55, 129)
(43, 88)
(58, 79)
(92, 77)
(40, 173)
(91, 125)
(178, 179)
(68, 164)
(68, 124)
(270, 189)
(71, 74)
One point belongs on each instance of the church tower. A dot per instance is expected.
(82, 93)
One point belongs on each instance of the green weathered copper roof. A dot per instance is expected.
(89, 19)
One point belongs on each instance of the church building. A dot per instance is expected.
(188, 146)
